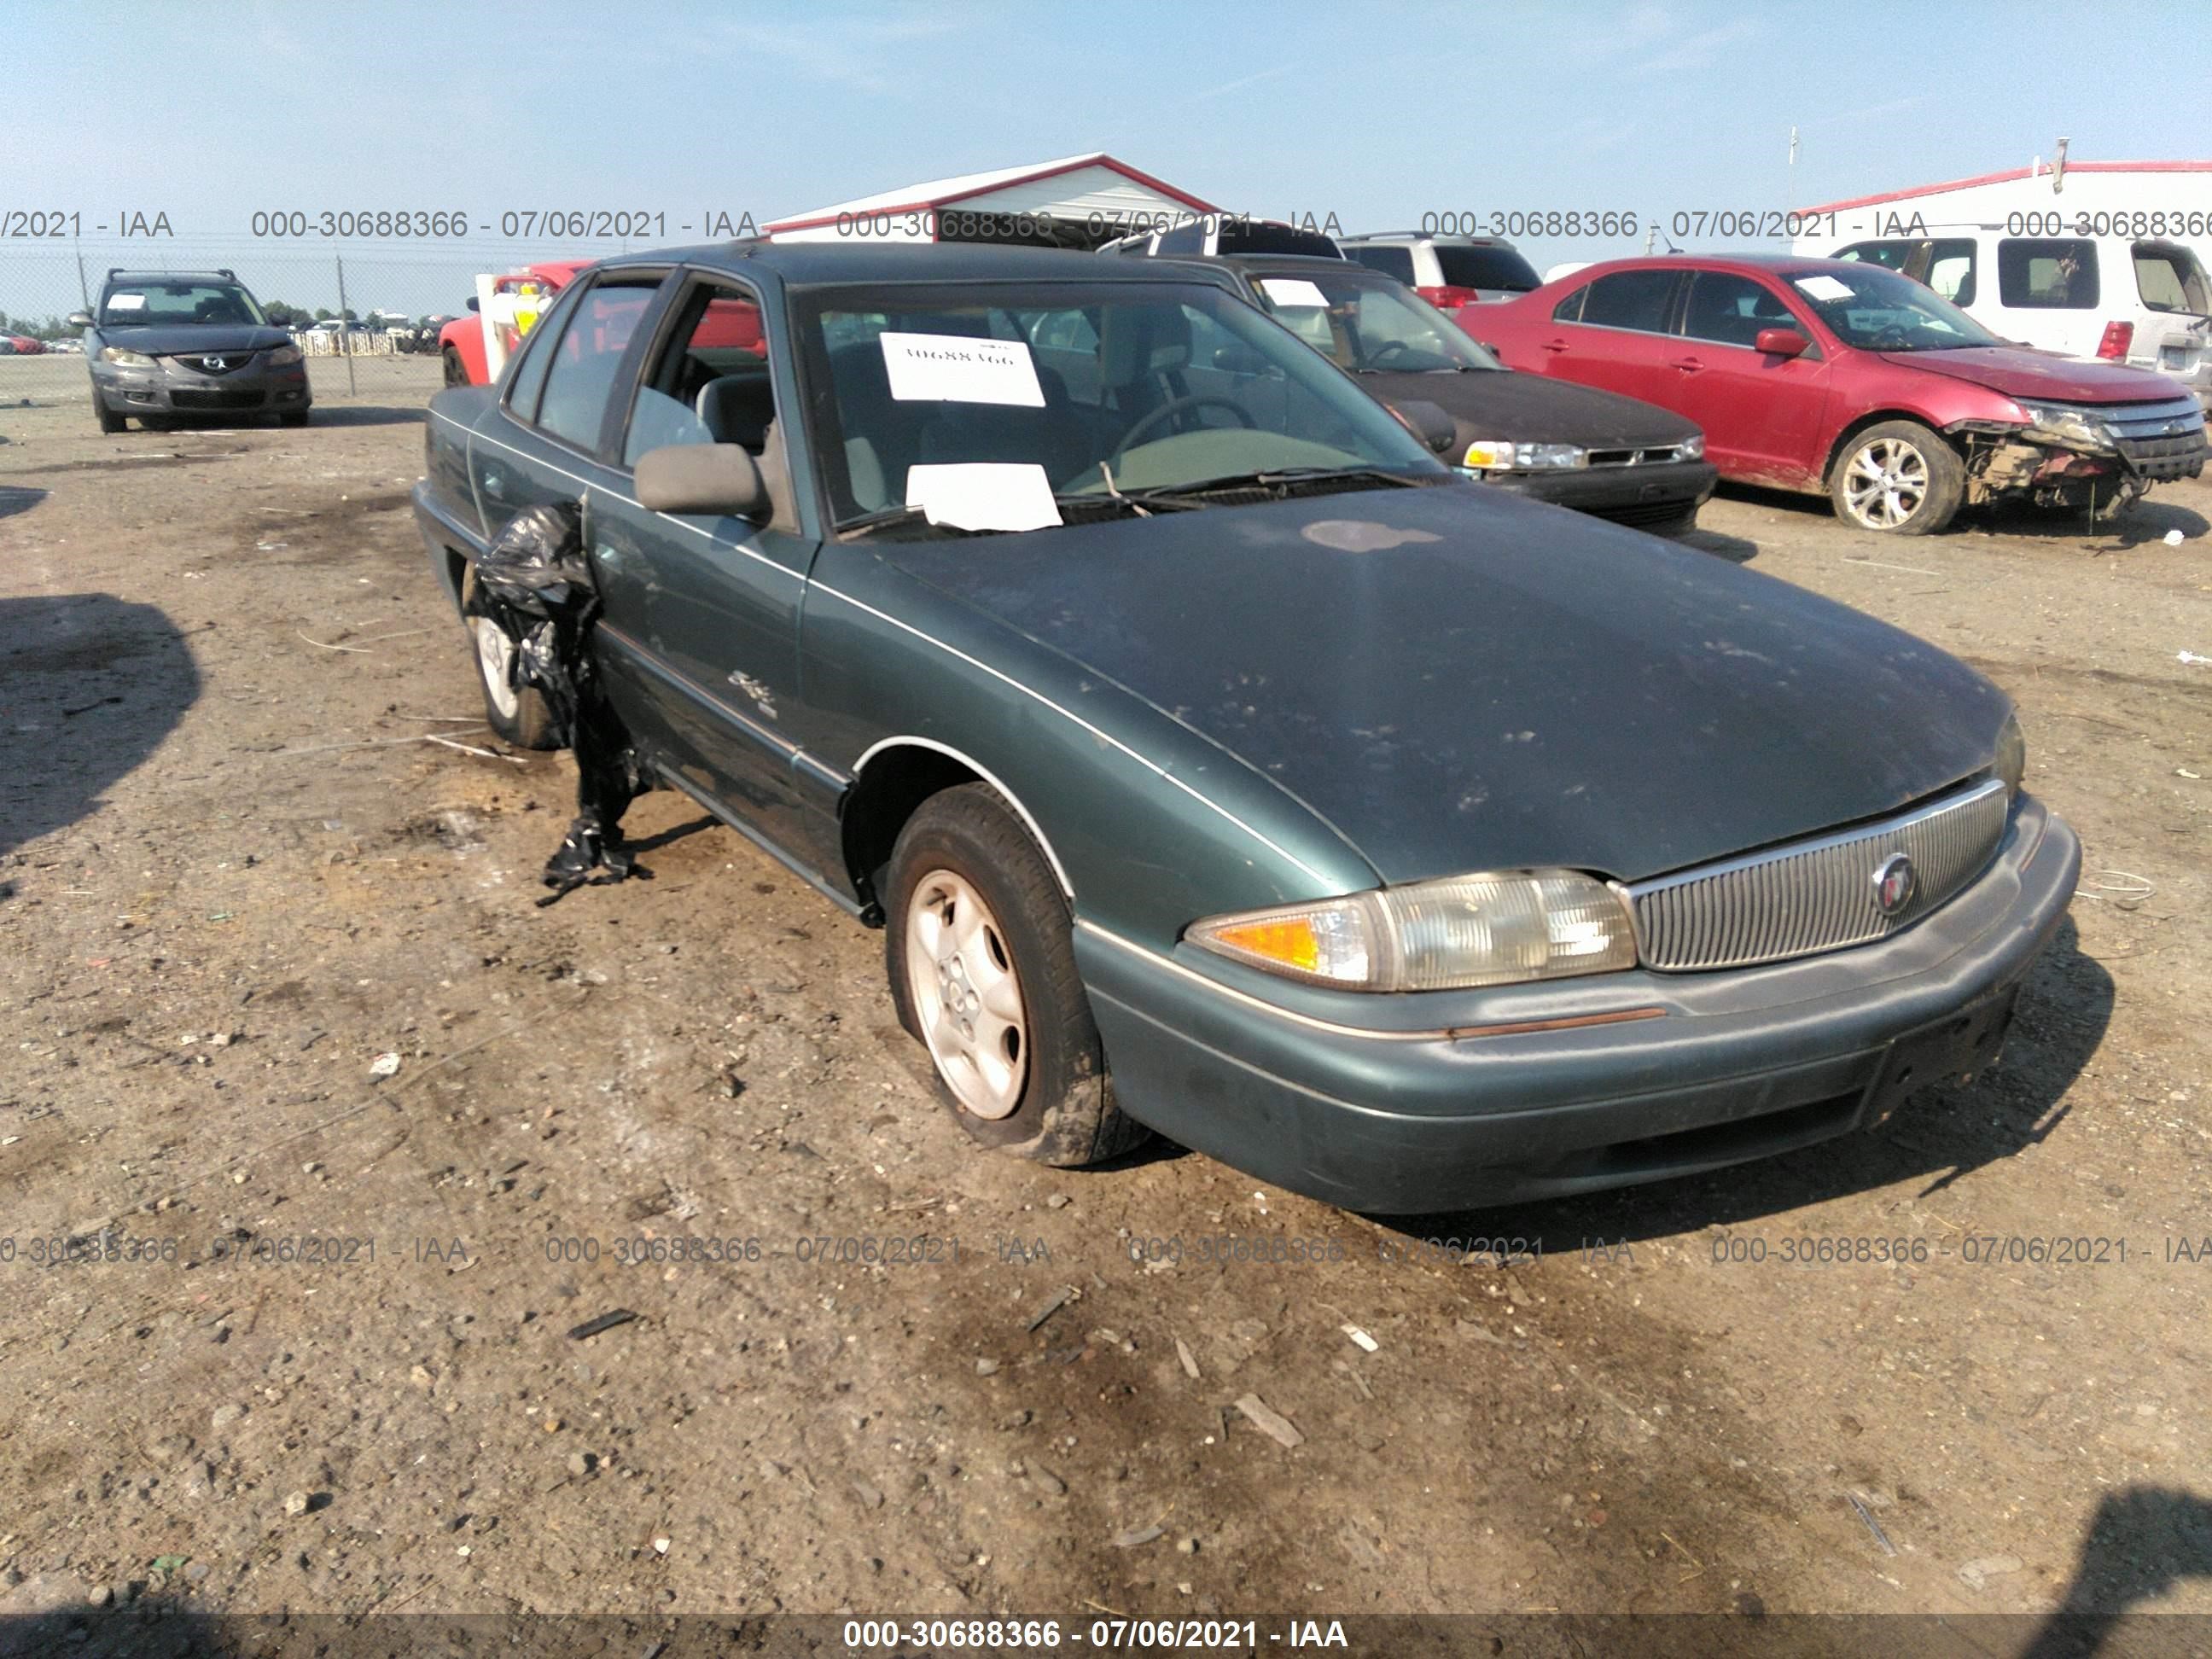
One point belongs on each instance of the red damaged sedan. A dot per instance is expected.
(1836, 376)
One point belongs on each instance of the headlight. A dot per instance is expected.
(1690, 449)
(2062, 423)
(283, 355)
(1495, 455)
(1501, 927)
(2011, 764)
(122, 359)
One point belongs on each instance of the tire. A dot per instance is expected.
(109, 420)
(457, 372)
(972, 906)
(1898, 478)
(518, 714)
(292, 418)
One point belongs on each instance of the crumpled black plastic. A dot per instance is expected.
(535, 582)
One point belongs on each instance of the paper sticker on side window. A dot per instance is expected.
(954, 368)
(1293, 291)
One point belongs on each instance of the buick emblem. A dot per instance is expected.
(1894, 881)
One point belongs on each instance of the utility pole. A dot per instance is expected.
(345, 329)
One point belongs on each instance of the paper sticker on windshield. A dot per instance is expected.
(126, 303)
(1821, 285)
(1293, 291)
(983, 495)
(954, 368)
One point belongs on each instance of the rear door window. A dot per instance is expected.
(581, 369)
(1462, 266)
(2170, 279)
(1637, 299)
(2057, 274)
(1390, 261)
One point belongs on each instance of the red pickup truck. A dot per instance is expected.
(461, 341)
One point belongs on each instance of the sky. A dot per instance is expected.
(1376, 112)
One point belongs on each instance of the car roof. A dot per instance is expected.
(1772, 265)
(1298, 265)
(806, 264)
(213, 278)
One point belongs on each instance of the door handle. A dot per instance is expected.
(1688, 365)
(1555, 345)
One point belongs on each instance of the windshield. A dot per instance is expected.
(1365, 325)
(1081, 390)
(166, 305)
(1465, 265)
(1878, 310)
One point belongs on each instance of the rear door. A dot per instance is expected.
(1762, 413)
(1614, 333)
(706, 631)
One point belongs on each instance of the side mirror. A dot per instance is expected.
(721, 479)
(475, 304)
(1427, 423)
(79, 320)
(1782, 343)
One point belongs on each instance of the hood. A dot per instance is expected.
(2019, 372)
(195, 337)
(1494, 682)
(1533, 409)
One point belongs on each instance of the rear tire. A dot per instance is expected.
(518, 714)
(457, 372)
(1898, 478)
(982, 970)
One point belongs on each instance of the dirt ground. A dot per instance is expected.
(240, 883)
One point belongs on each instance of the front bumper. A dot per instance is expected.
(173, 389)
(1661, 493)
(1395, 1105)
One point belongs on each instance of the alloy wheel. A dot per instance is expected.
(967, 997)
(1886, 483)
(495, 661)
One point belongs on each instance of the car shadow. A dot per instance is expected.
(1939, 1138)
(1780, 501)
(364, 415)
(2141, 1543)
(1737, 549)
(95, 683)
(2145, 521)
(14, 500)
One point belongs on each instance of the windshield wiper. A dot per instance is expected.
(1290, 478)
(891, 518)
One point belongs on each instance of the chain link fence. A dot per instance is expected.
(367, 318)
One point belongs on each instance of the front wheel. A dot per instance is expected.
(518, 714)
(1900, 478)
(110, 420)
(982, 970)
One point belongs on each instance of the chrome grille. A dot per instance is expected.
(1817, 895)
(2177, 418)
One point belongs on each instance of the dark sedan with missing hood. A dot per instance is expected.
(1215, 760)
(165, 343)
(1597, 452)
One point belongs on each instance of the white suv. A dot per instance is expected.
(1447, 271)
(2147, 304)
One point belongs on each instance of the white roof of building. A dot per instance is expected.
(941, 192)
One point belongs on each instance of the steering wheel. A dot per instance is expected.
(1175, 405)
(1891, 338)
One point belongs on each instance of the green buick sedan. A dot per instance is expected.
(1216, 762)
